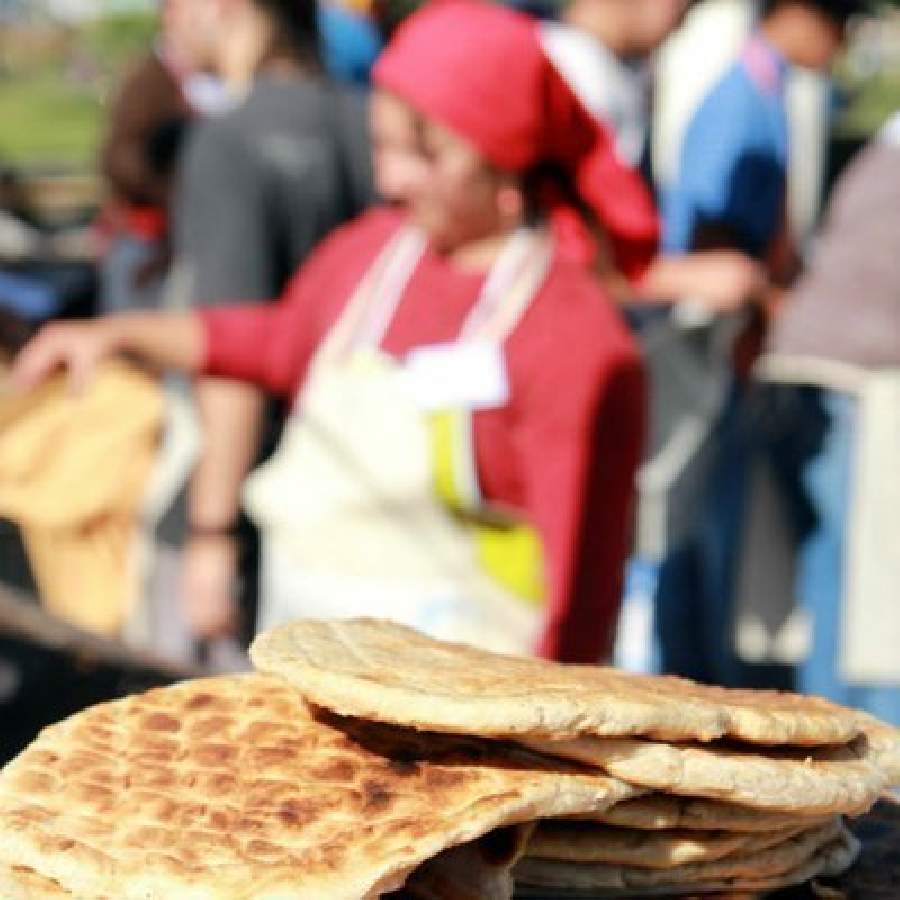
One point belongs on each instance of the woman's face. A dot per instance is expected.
(437, 177)
(397, 157)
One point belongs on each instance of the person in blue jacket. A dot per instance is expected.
(730, 193)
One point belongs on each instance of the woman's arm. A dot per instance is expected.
(170, 341)
(231, 417)
(722, 280)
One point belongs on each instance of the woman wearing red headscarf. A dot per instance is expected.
(468, 408)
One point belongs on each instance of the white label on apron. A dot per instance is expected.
(469, 375)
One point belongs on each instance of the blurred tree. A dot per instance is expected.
(55, 80)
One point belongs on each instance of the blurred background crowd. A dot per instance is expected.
(567, 326)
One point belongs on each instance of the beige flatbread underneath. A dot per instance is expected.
(232, 788)
(655, 812)
(763, 864)
(814, 782)
(600, 843)
(386, 672)
(542, 878)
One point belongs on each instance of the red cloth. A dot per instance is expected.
(480, 69)
(563, 452)
(146, 222)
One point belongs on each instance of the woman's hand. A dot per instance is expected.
(725, 280)
(718, 280)
(166, 341)
(77, 348)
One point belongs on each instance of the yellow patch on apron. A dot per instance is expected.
(510, 552)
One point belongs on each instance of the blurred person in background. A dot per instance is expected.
(731, 185)
(836, 350)
(603, 48)
(259, 187)
(468, 405)
(350, 42)
(730, 193)
(147, 122)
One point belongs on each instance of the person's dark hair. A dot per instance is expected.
(165, 143)
(14, 333)
(388, 15)
(838, 10)
(297, 25)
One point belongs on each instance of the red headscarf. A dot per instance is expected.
(480, 69)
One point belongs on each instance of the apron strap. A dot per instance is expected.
(513, 282)
(371, 308)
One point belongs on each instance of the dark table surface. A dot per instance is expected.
(50, 670)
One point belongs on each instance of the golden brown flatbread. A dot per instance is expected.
(386, 672)
(231, 788)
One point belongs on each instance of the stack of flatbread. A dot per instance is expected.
(366, 760)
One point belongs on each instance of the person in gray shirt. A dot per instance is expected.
(260, 186)
(264, 183)
(832, 382)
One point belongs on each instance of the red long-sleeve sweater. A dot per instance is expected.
(563, 451)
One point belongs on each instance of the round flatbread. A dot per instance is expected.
(233, 788)
(810, 782)
(386, 672)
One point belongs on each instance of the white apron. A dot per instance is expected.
(348, 508)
